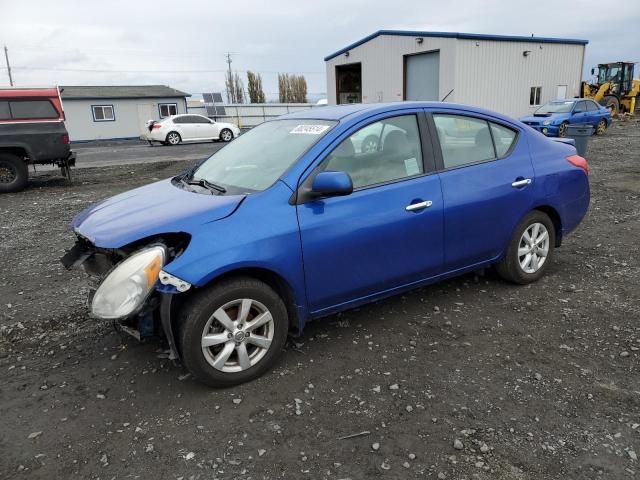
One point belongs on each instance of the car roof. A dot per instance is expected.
(355, 110)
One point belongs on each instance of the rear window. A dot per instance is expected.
(27, 109)
(5, 113)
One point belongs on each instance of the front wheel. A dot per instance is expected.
(530, 250)
(226, 135)
(233, 332)
(601, 127)
(13, 173)
(562, 130)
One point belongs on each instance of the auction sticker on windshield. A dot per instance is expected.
(310, 129)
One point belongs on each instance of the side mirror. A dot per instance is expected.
(332, 184)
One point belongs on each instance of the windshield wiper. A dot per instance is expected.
(201, 182)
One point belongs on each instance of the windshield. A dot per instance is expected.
(556, 107)
(610, 72)
(256, 159)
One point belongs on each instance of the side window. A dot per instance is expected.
(27, 109)
(103, 113)
(168, 109)
(5, 113)
(380, 152)
(463, 140)
(582, 106)
(591, 106)
(202, 119)
(503, 138)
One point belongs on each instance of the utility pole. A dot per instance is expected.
(6, 56)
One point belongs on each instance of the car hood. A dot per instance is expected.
(551, 117)
(154, 209)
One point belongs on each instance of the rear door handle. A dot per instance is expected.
(521, 183)
(418, 206)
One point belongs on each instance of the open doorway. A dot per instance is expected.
(349, 83)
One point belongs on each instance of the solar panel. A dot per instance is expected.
(213, 104)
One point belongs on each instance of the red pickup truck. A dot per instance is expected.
(32, 131)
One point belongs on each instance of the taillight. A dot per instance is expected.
(65, 139)
(579, 162)
(157, 125)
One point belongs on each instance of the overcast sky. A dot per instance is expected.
(183, 43)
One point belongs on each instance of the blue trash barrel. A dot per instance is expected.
(581, 135)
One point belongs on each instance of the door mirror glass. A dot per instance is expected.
(332, 184)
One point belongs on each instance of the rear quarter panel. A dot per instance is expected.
(43, 141)
(559, 184)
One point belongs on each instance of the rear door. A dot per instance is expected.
(388, 232)
(487, 177)
(187, 126)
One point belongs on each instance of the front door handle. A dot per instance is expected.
(521, 183)
(418, 206)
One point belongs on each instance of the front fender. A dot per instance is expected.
(248, 239)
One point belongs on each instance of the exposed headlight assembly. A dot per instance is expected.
(129, 284)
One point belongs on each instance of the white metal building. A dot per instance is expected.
(117, 112)
(508, 74)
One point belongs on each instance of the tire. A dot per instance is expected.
(197, 321)
(510, 268)
(13, 173)
(226, 135)
(612, 103)
(173, 138)
(601, 127)
(562, 129)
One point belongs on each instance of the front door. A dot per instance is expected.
(388, 232)
(487, 182)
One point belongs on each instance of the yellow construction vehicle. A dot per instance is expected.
(615, 88)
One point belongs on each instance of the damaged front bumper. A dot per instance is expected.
(156, 312)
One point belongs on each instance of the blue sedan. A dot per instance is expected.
(301, 218)
(553, 118)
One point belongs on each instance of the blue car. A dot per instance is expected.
(301, 218)
(553, 118)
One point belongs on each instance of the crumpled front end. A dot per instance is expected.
(128, 286)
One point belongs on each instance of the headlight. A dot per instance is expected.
(127, 287)
(547, 122)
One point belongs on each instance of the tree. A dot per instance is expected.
(235, 88)
(292, 88)
(254, 86)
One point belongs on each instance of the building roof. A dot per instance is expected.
(84, 92)
(458, 35)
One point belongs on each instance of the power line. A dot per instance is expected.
(100, 70)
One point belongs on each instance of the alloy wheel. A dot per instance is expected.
(226, 135)
(602, 125)
(562, 130)
(238, 335)
(173, 138)
(533, 248)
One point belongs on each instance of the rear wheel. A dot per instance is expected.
(530, 250)
(173, 138)
(562, 129)
(13, 173)
(226, 135)
(601, 127)
(233, 332)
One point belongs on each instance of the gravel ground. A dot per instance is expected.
(472, 378)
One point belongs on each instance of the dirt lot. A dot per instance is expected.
(536, 382)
